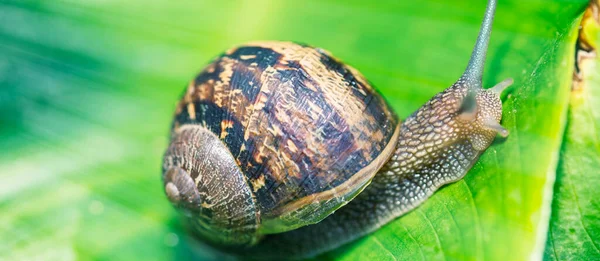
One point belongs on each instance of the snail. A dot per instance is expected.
(279, 149)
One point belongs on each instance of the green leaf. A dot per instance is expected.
(574, 232)
(88, 88)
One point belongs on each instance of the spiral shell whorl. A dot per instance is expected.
(204, 182)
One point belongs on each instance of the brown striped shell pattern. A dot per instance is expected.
(272, 136)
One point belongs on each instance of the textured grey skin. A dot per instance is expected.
(474, 70)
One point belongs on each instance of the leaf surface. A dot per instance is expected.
(88, 89)
(574, 232)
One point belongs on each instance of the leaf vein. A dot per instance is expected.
(385, 248)
(437, 236)
(417, 242)
(587, 233)
(477, 221)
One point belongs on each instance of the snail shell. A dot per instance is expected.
(273, 136)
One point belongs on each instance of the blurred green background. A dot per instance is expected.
(88, 89)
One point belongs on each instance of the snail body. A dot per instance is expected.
(272, 138)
